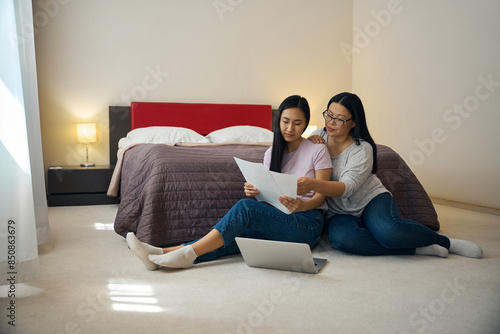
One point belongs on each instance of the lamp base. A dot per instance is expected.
(87, 164)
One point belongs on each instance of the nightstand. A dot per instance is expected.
(75, 185)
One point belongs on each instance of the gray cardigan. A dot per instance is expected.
(353, 167)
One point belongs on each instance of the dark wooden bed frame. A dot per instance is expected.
(119, 126)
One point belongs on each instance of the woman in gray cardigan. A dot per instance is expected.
(362, 215)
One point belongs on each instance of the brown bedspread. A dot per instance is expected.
(174, 194)
(411, 198)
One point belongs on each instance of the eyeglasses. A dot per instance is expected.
(336, 120)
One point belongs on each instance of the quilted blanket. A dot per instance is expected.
(409, 194)
(173, 194)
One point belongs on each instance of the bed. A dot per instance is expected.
(174, 191)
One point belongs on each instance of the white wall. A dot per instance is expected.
(421, 73)
(92, 54)
(409, 70)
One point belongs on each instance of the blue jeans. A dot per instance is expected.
(252, 219)
(380, 231)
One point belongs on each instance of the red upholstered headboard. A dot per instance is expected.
(200, 117)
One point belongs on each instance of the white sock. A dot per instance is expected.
(142, 250)
(432, 250)
(181, 258)
(465, 248)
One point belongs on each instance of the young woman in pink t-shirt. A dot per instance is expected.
(289, 154)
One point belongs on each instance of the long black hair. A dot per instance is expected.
(353, 104)
(279, 143)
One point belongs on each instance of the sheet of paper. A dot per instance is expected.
(271, 185)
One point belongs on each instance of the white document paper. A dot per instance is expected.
(271, 185)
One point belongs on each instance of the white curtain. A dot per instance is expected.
(24, 218)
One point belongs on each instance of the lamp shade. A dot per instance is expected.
(86, 133)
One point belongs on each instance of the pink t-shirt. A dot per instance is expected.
(307, 158)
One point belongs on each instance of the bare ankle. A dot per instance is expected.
(171, 249)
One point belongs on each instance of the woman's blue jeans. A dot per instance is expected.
(252, 219)
(380, 231)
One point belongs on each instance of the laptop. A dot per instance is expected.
(279, 255)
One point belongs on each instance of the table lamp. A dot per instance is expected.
(86, 133)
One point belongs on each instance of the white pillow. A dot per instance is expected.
(241, 134)
(124, 142)
(164, 135)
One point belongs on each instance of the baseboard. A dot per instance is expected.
(466, 206)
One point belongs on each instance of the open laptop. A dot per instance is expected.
(279, 255)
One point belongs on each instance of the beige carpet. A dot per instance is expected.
(91, 283)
